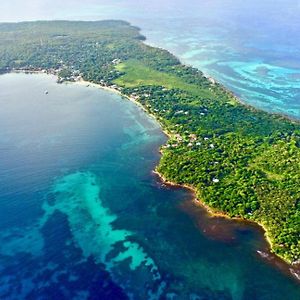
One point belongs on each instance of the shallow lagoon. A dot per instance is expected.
(83, 216)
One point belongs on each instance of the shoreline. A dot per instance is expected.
(290, 269)
(294, 269)
(115, 91)
(111, 89)
(237, 98)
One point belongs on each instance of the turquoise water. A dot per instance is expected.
(83, 217)
(250, 46)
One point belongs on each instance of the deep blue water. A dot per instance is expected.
(83, 217)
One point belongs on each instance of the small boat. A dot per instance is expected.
(264, 254)
(46, 92)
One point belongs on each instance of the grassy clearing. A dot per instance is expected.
(137, 74)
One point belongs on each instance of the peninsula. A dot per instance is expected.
(242, 162)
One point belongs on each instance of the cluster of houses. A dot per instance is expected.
(73, 76)
(182, 112)
(31, 69)
(191, 139)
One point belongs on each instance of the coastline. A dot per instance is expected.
(237, 98)
(115, 91)
(294, 270)
(212, 212)
(267, 255)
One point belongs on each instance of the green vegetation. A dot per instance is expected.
(139, 74)
(241, 161)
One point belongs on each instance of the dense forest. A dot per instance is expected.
(241, 161)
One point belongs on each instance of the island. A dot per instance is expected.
(240, 161)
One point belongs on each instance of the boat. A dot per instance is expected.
(46, 92)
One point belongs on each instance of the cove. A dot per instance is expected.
(83, 216)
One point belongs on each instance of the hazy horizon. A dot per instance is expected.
(17, 10)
